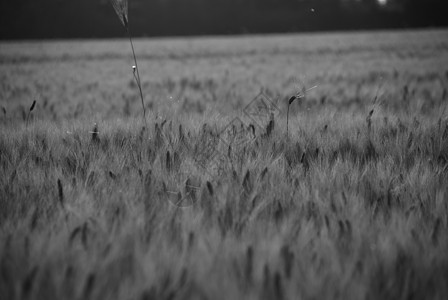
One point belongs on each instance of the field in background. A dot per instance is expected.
(84, 78)
(350, 204)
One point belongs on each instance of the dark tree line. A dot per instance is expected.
(95, 18)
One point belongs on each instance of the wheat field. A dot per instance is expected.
(208, 201)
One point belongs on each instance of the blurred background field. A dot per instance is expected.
(85, 79)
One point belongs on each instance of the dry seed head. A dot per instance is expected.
(168, 161)
(291, 100)
(121, 9)
(94, 133)
(302, 94)
(32, 106)
(210, 188)
(263, 173)
(95, 128)
(112, 175)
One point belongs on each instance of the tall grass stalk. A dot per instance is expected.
(299, 95)
(29, 112)
(121, 8)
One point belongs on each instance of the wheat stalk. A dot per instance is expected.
(297, 96)
(29, 112)
(121, 9)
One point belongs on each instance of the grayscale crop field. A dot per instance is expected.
(209, 200)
